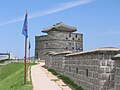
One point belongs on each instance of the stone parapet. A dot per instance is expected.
(88, 69)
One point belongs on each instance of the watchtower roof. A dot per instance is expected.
(116, 57)
(60, 27)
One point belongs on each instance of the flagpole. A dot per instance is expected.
(25, 55)
(25, 33)
(25, 60)
(29, 56)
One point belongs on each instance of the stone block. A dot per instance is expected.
(101, 70)
(117, 87)
(104, 62)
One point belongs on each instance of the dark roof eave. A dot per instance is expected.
(115, 58)
(59, 30)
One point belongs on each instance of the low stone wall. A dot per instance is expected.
(90, 74)
(57, 62)
(92, 70)
(117, 72)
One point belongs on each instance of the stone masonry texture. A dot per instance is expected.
(58, 40)
(93, 70)
(62, 50)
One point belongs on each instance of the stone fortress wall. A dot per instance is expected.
(117, 72)
(62, 51)
(93, 70)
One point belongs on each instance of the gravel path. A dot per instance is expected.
(41, 81)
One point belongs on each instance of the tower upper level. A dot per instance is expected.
(60, 27)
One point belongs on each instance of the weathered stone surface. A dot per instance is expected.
(93, 70)
(58, 40)
(91, 74)
(117, 73)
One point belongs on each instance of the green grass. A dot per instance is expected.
(1, 66)
(66, 80)
(11, 77)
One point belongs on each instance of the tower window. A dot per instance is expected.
(76, 36)
(72, 47)
(69, 69)
(72, 38)
(76, 70)
(69, 35)
(37, 56)
(87, 72)
(66, 47)
(66, 38)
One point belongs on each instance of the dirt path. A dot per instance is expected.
(41, 81)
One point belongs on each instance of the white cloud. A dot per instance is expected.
(10, 21)
(112, 32)
(60, 7)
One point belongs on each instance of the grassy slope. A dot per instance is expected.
(1, 66)
(66, 80)
(11, 77)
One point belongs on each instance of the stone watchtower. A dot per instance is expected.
(60, 37)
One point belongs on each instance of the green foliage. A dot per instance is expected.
(66, 80)
(53, 72)
(12, 78)
(79, 88)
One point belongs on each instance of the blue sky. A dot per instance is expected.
(98, 20)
